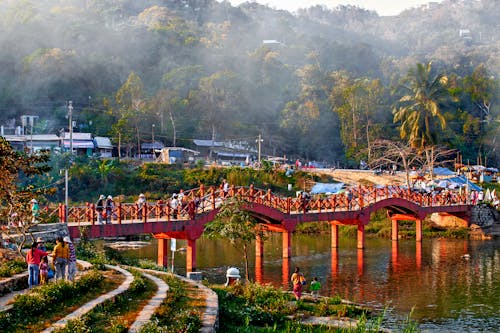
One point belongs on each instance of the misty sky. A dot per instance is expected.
(382, 7)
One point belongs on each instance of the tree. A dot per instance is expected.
(131, 100)
(386, 152)
(236, 224)
(356, 103)
(419, 109)
(480, 86)
(16, 218)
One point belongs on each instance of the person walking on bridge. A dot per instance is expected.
(99, 207)
(174, 205)
(110, 208)
(140, 205)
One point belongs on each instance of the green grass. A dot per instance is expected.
(257, 308)
(117, 314)
(48, 303)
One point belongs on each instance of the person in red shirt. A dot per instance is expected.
(33, 257)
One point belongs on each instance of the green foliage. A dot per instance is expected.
(243, 306)
(48, 298)
(88, 251)
(9, 268)
(109, 315)
(174, 314)
(253, 307)
(75, 326)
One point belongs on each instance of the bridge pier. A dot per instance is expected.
(163, 252)
(395, 229)
(287, 244)
(334, 229)
(361, 236)
(418, 225)
(418, 230)
(191, 255)
(259, 247)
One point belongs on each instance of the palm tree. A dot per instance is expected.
(419, 110)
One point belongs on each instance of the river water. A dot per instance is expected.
(447, 285)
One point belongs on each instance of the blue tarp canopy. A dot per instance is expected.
(462, 181)
(327, 188)
(443, 172)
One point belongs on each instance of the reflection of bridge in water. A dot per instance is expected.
(276, 213)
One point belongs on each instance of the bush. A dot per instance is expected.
(10, 268)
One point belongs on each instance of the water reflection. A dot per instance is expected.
(446, 289)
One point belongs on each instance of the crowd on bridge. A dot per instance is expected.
(187, 204)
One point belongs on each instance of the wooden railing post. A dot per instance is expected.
(87, 211)
(59, 214)
(92, 213)
(145, 212)
(157, 209)
(65, 214)
(119, 213)
(212, 196)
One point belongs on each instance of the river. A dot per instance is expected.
(447, 285)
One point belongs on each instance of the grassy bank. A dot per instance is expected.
(256, 308)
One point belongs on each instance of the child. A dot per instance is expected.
(44, 270)
(315, 287)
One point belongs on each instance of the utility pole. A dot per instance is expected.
(153, 139)
(70, 116)
(153, 134)
(259, 141)
(66, 194)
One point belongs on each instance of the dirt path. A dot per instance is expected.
(355, 177)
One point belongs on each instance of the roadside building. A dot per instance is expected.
(103, 146)
(82, 143)
(178, 155)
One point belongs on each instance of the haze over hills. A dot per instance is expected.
(204, 69)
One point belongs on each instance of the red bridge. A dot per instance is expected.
(278, 214)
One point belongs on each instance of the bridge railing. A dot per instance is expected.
(200, 200)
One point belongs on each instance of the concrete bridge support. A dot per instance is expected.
(395, 229)
(287, 244)
(163, 252)
(418, 230)
(191, 255)
(259, 247)
(334, 229)
(259, 254)
(361, 236)
(418, 225)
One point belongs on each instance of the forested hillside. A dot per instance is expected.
(319, 84)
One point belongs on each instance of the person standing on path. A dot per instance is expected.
(71, 259)
(60, 256)
(298, 280)
(41, 244)
(33, 257)
(44, 270)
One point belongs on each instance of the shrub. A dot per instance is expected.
(9, 268)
